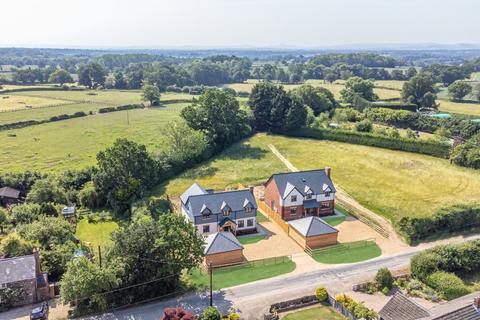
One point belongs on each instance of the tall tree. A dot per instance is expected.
(60, 76)
(218, 115)
(125, 171)
(151, 94)
(92, 75)
(358, 86)
(459, 90)
(314, 97)
(419, 90)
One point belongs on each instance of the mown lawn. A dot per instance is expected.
(250, 239)
(471, 109)
(234, 276)
(315, 313)
(96, 233)
(74, 143)
(347, 253)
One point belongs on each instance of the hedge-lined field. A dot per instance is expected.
(9, 102)
(472, 109)
(392, 183)
(74, 143)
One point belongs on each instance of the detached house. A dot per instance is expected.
(301, 194)
(212, 212)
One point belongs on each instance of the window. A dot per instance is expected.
(226, 213)
(293, 198)
(327, 193)
(205, 215)
(248, 209)
(250, 223)
(309, 196)
(293, 211)
(206, 229)
(241, 223)
(325, 205)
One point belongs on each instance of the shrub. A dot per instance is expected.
(385, 290)
(384, 279)
(321, 294)
(454, 218)
(210, 313)
(424, 263)
(448, 284)
(91, 217)
(430, 147)
(358, 309)
(233, 316)
(364, 126)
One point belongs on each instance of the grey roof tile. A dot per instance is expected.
(9, 192)
(312, 226)
(400, 307)
(316, 180)
(194, 189)
(221, 242)
(17, 269)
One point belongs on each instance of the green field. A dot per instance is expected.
(10, 102)
(236, 275)
(251, 239)
(95, 234)
(315, 313)
(347, 252)
(391, 183)
(334, 87)
(472, 109)
(74, 143)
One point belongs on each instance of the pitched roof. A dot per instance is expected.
(195, 189)
(312, 226)
(466, 313)
(400, 307)
(9, 192)
(221, 242)
(315, 180)
(216, 201)
(460, 308)
(17, 269)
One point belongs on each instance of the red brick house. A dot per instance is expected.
(295, 195)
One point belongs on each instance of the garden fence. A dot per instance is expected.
(340, 247)
(272, 215)
(340, 308)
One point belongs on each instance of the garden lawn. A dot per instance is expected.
(471, 109)
(74, 143)
(96, 233)
(347, 253)
(234, 276)
(315, 313)
(250, 239)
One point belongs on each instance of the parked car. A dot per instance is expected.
(40, 313)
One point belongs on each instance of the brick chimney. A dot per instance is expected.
(476, 302)
(251, 188)
(328, 170)
(36, 255)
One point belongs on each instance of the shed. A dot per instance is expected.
(68, 212)
(9, 196)
(222, 248)
(312, 232)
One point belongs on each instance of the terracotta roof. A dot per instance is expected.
(8, 192)
(400, 307)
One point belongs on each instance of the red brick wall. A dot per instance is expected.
(271, 193)
(286, 213)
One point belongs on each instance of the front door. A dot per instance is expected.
(227, 229)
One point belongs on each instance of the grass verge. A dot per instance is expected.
(347, 252)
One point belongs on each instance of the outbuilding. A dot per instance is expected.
(222, 248)
(9, 196)
(312, 232)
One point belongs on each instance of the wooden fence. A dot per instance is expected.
(357, 214)
(273, 215)
(340, 308)
(340, 247)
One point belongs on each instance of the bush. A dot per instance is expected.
(447, 284)
(210, 313)
(458, 217)
(358, 309)
(386, 290)
(364, 126)
(321, 294)
(424, 263)
(430, 147)
(233, 316)
(384, 279)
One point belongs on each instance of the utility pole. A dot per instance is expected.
(100, 256)
(210, 273)
(128, 119)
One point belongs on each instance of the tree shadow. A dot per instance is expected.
(242, 151)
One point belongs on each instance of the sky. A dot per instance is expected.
(236, 23)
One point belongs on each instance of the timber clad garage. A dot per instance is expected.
(312, 232)
(222, 248)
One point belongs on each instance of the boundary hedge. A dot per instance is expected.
(429, 147)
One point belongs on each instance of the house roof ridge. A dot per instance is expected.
(223, 235)
(293, 172)
(18, 257)
(218, 192)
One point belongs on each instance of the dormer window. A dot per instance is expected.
(248, 209)
(327, 193)
(205, 212)
(205, 215)
(308, 196)
(226, 212)
(293, 198)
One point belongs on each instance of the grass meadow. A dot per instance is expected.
(391, 183)
(471, 109)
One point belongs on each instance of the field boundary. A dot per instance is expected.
(341, 246)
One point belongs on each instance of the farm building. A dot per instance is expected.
(312, 232)
(295, 195)
(9, 196)
(222, 248)
(212, 212)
